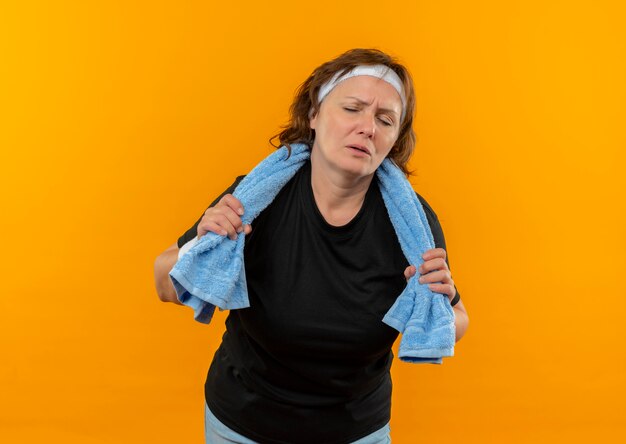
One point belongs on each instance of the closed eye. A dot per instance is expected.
(383, 119)
(385, 122)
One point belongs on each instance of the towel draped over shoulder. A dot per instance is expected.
(212, 273)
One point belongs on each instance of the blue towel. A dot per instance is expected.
(212, 273)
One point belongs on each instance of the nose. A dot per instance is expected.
(367, 125)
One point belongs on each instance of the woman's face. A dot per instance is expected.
(356, 126)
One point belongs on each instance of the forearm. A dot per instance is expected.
(162, 266)
(461, 322)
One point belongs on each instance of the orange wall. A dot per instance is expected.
(121, 121)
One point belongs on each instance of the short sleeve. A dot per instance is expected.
(440, 241)
(192, 233)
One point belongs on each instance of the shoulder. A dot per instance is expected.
(236, 182)
(433, 222)
(428, 210)
(228, 190)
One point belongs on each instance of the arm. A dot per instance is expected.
(166, 260)
(437, 267)
(162, 266)
(461, 320)
(438, 271)
(223, 219)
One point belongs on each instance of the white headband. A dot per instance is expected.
(382, 72)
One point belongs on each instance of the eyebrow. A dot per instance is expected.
(363, 102)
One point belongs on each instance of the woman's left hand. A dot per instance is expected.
(434, 269)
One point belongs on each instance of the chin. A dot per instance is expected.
(350, 169)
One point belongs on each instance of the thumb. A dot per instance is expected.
(409, 272)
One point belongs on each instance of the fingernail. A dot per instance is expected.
(239, 230)
(240, 211)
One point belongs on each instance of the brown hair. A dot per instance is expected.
(305, 102)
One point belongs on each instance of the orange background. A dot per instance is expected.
(120, 121)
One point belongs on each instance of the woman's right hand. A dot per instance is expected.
(224, 219)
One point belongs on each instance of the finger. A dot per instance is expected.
(434, 253)
(212, 227)
(409, 272)
(233, 203)
(433, 264)
(442, 276)
(217, 224)
(232, 219)
(223, 221)
(247, 229)
(446, 289)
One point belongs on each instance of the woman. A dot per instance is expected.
(309, 361)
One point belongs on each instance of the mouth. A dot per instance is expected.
(360, 148)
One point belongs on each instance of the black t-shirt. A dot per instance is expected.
(309, 360)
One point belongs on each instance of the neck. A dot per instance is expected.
(338, 196)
